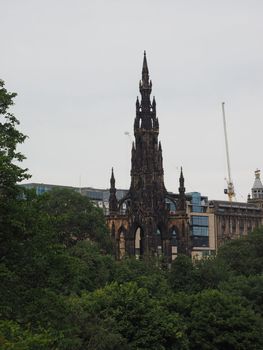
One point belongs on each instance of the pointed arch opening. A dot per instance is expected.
(121, 242)
(174, 234)
(159, 241)
(139, 242)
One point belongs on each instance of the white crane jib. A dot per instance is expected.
(230, 191)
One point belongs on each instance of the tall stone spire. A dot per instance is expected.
(141, 221)
(147, 191)
(181, 204)
(143, 153)
(113, 202)
(181, 181)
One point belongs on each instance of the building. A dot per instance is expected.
(234, 219)
(146, 220)
(209, 223)
(42, 188)
(256, 196)
(145, 228)
(99, 197)
(202, 225)
(201, 229)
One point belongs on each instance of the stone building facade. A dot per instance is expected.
(140, 222)
(234, 219)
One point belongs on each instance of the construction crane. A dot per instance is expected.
(230, 191)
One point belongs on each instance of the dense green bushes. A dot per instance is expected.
(76, 296)
(61, 288)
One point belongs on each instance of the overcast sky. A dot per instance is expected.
(76, 64)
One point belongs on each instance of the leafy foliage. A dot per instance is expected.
(182, 276)
(10, 137)
(250, 288)
(10, 172)
(142, 321)
(61, 288)
(75, 218)
(245, 255)
(12, 336)
(219, 321)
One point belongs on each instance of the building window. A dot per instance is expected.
(41, 189)
(199, 225)
(200, 221)
(200, 231)
(95, 195)
(196, 203)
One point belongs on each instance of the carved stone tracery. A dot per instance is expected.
(146, 204)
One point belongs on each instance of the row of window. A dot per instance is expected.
(198, 209)
(200, 241)
(200, 231)
(200, 220)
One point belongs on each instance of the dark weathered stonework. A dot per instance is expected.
(145, 201)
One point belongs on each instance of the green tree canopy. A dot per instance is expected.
(62, 290)
(244, 255)
(10, 138)
(75, 218)
(217, 321)
(139, 319)
(10, 172)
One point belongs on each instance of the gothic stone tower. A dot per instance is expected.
(144, 228)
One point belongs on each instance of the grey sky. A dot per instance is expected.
(76, 65)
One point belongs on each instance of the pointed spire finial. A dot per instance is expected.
(113, 203)
(181, 205)
(181, 180)
(145, 71)
(137, 104)
(112, 179)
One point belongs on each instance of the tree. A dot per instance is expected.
(10, 172)
(13, 336)
(75, 218)
(144, 322)
(10, 138)
(244, 255)
(248, 287)
(190, 277)
(217, 321)
(210, 272)
(182, 276)
(146, 273)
